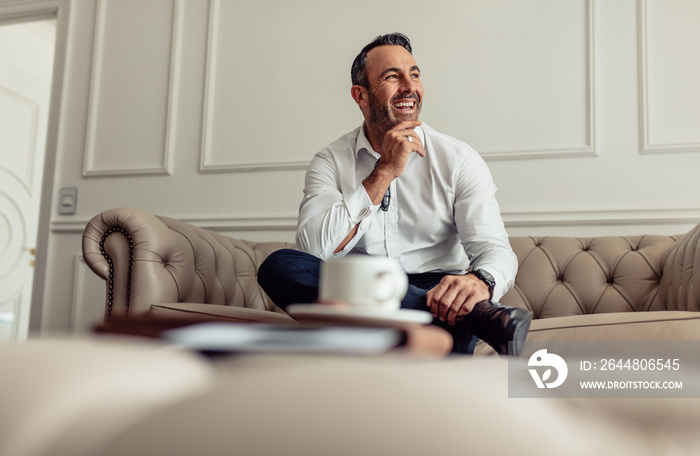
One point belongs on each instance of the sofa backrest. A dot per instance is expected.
(563, 276)
(147, 259)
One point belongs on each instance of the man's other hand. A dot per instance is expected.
(455, 296)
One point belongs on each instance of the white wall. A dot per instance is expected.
(586, 111)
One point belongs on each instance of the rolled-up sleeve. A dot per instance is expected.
(326, 215)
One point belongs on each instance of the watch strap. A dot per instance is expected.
(485, 277)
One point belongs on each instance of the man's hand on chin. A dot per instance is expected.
(455, 296)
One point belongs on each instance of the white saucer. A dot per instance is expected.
(355, 314)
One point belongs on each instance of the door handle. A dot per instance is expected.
(32, 252)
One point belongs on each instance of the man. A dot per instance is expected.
(395, 187)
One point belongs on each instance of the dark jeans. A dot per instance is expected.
(290, 277)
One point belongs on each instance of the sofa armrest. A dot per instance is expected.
(680, 284)
(147, 259)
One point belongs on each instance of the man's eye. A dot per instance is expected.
(392, 76)
(415, 75)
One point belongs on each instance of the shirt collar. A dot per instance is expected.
(362, 143)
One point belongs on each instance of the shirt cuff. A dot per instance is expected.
(359, 205)
(501, 287)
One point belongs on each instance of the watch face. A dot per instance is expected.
(485, 276)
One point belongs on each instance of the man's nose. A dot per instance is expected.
(407, 85)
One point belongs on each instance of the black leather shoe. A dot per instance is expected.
(497, 325)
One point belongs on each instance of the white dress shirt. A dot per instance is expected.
(442, 216)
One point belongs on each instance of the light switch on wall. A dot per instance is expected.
(67, 200)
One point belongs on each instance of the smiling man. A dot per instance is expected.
(395, 187)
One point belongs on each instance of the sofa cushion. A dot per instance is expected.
(207, 312)
(620, 326)
(637, 326)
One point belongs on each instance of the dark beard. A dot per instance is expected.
(381, 115)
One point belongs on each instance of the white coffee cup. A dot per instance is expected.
(363, 281)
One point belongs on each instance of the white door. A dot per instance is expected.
(26, 69)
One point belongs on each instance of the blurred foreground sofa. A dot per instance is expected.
(598, 288)
(115, 395)
(125, 396)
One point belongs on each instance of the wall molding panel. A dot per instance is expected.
(121, 138)
(647, 112)
(214, 160)
(207, 161)
(589, 148)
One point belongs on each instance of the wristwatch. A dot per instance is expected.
(485, 277)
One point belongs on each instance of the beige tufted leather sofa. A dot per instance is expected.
(161, 266)
(600, 288)
(122, 396)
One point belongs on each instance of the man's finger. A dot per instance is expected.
(448, 299)
(414, 142)
(434, 296)
(458, 304)
(418, 148)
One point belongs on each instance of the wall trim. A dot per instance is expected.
(89, 169)
(535, 219)
(282, 222)
(606, 217)
(206, 165)
(643, 81)
(587, 150)
(245, 223)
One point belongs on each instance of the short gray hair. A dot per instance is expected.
(358, 71)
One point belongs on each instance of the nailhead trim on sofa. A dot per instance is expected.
(110, 282)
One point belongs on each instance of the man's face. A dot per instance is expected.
(395, 90)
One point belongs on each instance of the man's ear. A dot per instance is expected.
(360, 95)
